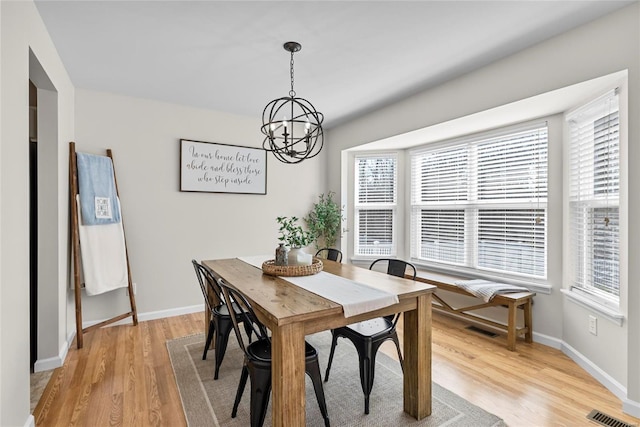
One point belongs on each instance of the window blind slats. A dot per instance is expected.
(512, 240)
(594, 196)
(442, 235)
(376, 179)
(452, 187)
(513, 167)
(376, 187)
(441, 175)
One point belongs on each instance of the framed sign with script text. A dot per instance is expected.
(221, 168)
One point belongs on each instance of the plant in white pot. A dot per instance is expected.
(296, 238)
(324, 221)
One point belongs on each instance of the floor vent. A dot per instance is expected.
(607, 420)
(482, 331)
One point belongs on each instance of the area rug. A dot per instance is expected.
(208, 403)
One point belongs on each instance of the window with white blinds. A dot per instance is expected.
(482, 203)
(594, 197)
(375, 205)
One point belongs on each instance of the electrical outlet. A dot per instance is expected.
(593, 325)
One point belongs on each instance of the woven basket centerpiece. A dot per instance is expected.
(269, 267)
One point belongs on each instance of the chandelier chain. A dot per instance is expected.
(292, 93)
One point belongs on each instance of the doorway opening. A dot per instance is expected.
(47, 294)
(33, 224)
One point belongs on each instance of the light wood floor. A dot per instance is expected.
(123, 377)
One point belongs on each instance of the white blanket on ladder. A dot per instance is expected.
(104, 258)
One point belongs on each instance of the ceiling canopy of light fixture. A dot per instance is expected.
(291, 125)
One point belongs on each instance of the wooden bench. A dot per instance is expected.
(512, 301)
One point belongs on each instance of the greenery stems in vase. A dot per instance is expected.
(324, 220)
(292, 234)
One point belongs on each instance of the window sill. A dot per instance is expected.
(540, 288)
(584, 301)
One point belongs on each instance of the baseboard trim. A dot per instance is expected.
(601, 376)
(152, 315)
(57, 361)
(49, 363)
(631, 407)
(171, 313)
(547, 340)
(537, 337)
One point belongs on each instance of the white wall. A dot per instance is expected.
(166, 228)
(22, 29)
(605, 46)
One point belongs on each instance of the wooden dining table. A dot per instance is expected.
(291, 312)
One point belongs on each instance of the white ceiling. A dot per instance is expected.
(356, 55)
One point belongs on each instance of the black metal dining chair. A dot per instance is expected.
(330, 254)
(219, 318)
(368, 336)
(257, 362)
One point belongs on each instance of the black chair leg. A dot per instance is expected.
(368, 369)
(313, 369)
(260, 393)
(366, 361)
(222, 338)
(365, 380)
(212, 328)
(395, 340)
(243, 381)
(334, 342)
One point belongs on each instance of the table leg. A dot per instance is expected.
(287, 358)
(511, 327)
(417, 359)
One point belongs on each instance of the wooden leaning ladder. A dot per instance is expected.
(75, 248)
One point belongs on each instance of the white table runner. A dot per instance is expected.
(355, 297)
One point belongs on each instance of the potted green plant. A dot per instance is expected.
(296, 238)
(324, 220)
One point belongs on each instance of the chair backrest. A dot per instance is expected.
(206, 280)
(330, 254)
(242, 306)
(397, 267)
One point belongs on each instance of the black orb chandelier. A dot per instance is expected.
(291, 125)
